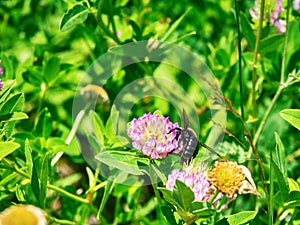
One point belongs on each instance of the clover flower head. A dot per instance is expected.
(196, 180)
(296, 5)
(272, 14)
(153, 135)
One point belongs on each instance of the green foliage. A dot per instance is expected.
(76, 162)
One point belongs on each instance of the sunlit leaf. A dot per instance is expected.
(111, 126)
(292, 116)
(123, 162)
(13, 104)
(76, 15)
(51, 69)
(7, 148)
(175, 25)
(241, 217)
(13, 117)
(98, 125)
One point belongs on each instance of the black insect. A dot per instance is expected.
(188, 144)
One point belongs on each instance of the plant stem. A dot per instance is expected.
(70, 136)
(266, 115)
(254, 75)
(50, 186)
(58, 221)
(68, 194)
(282, 84)
(240, 57)
(271, 191)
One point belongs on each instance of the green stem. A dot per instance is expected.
(50, 186)
(68, 194)
(254, 75)
(240, 58)
(271, 192)
(266, 115)
(58, 221)
(71, 135)
(282, 84)
(153, 179)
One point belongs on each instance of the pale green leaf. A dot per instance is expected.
(292, 116)
(7, 148)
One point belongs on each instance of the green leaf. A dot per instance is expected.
(76, 15)
(168, 212)
(97, 125)
(107, 191)
(44, 180)
(19, 194)
(121, 161)
(222, 222)
(292, 116)
(7, 148)
(137, 30)
(293, 200)
(175, 25)
(293, 185)
(271, 43)
(13, 117)
(13, 104)
(201, 210)
(183, 195)
(281, 181)
(33, 77)
(247, 30)
(34, 183)
(168, 196)
(6, 90)
(280, 154)
(111, 126)
(43, 127)
(28, 157)
(241, 217)
(121, 3)
(51, 69)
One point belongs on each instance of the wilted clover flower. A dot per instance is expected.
(1, 82)
(194, 179)
(272, 13)
(150, 134)
(231, 179)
